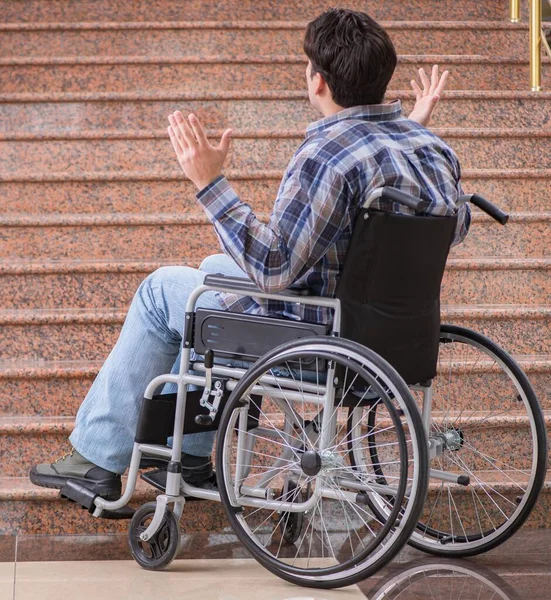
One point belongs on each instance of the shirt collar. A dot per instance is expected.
(369, 112)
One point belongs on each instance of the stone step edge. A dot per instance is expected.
(40, 425)
(151, 219)
(45, 370)
(106, 316)
(260, 175)
(100, 135)
(20, 489)
(55, 267)
(247, 59)
(261, 25)
(56, 97)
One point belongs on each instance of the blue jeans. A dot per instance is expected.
(149, 345)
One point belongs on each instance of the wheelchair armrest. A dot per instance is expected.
(241, 284)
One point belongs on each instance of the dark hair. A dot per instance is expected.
(353, 53)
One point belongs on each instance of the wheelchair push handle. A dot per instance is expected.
(488, 207)
(394, 195)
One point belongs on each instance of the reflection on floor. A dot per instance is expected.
(217, 567)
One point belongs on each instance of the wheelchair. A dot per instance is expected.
(338, 444)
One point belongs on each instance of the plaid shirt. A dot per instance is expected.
(342, 159)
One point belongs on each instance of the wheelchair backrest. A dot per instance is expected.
(389, 288)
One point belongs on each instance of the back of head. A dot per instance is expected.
(354, 55)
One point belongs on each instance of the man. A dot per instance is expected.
(360, 144)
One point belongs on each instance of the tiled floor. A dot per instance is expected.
(86, 567)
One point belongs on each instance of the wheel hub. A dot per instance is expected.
(310, 462)
(313, 462)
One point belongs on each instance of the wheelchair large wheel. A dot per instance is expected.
(486, 411)
(283, 449)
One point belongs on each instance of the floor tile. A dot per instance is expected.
(7, 574)
(206, 579)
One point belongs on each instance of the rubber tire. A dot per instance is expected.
(271, 564)
(169, 528)
(541, 468)
(541, 434)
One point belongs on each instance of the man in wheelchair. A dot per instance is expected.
(361, 144)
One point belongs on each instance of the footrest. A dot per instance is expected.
(80, 494)
(157, 479)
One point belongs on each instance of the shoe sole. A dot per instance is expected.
(103, 487)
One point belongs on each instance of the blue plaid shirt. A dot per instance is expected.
(343, 158)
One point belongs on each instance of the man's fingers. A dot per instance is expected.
(433, 79)
(443, 80)
(418, 91)
(176, 131)
(185, 129)
(224, 145)
(198, 130)
(424, 80)
(175, 143)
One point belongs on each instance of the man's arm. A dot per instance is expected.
(309, 215)
(463, 219)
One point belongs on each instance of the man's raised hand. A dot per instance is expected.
(428, 97)
(200, 160)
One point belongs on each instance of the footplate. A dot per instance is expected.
(80, 494)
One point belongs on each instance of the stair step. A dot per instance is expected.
(251, 149)
(146, 192)
(35, 11)
(246, 37)
(57, 388)
(28, 509)
(101, 283)
(52, 389)
(66, 113)
(90, 334)
(191, 236)
(31, 440)
(279, 72)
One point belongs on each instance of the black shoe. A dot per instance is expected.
(73, 466)
(196, 470)
(157, 479)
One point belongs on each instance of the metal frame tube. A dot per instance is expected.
(535, 45)
(515, 11)
(427, 408)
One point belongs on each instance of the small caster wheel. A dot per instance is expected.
(159, 551)
(291, 522)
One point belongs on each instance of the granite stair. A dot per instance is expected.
(93, 200)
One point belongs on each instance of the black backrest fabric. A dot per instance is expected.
(390, 288)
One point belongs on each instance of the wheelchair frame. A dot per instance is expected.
(177, 489)
(174, 481)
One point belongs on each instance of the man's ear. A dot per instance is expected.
(320, 85)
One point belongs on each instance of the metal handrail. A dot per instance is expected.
(537, 39)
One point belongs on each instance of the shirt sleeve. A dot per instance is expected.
(309, 214)
(463, 215)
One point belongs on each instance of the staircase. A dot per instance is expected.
(93, 199)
